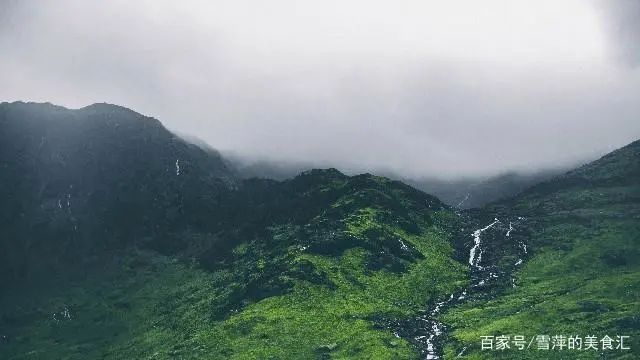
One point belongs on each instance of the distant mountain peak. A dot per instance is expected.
(108, 108)
(329, 172)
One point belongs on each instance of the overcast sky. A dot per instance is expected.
(426, 88)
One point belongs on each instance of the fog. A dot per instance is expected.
(419, 88)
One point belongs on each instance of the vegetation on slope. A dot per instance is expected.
(584, 276)
(343, 253)
(150, 257)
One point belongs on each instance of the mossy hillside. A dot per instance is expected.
(160, 306)
(334, 313)
(311, 284)
(574, 290)
(326, 217)
(584, 275)
(312, 267)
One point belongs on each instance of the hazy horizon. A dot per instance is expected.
(419, 88)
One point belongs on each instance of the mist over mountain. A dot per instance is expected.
(427, 89)
(123, 240)
(463, 193)
(363, 179)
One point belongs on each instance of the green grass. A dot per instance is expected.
(321, 277)
(157, 307)
(584, 278)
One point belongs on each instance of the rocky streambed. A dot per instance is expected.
(425, 331)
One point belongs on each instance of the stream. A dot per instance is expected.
(425, 331)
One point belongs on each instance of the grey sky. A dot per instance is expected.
(424, 88)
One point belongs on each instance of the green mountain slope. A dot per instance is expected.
(463, 193)
(161, 253)
(151, 258)
(582, 277)
(343, 254)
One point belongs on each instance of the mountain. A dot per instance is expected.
(474, 193)
(463, 193)
(580, 273)
(77, 183)
(162, 252)
(323, 249)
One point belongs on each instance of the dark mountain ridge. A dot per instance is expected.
(82, 183)
(96, 177)
(462, 193)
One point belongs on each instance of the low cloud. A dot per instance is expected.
(622, 23)
(431, 88)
